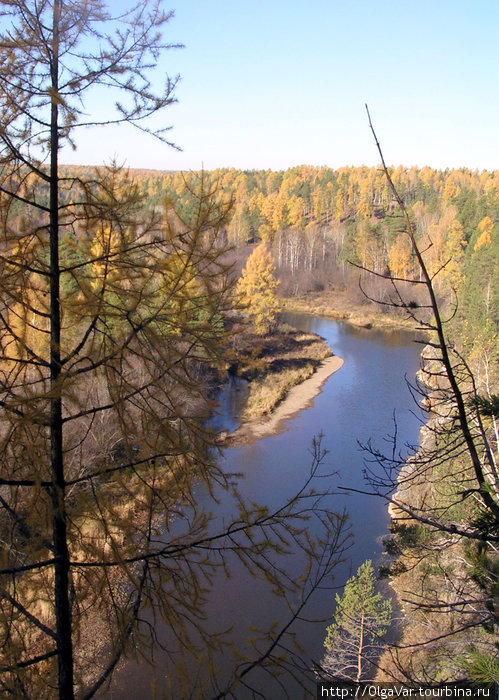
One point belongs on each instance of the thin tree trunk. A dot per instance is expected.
(359, 650)
(61, 554)
(487, 497)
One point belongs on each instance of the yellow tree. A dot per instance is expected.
(455, 245)
(485, 229)
(399, 256)
(266, 230)
(256, 289)
(295, 210)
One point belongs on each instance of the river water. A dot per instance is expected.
(357, 403)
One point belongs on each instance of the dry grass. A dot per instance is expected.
(275, 363)
(265, 394)
(339, 306)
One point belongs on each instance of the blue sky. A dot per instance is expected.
(277, 83)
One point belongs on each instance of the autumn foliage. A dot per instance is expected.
(256, 289)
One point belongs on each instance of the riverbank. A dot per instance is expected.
(444, 582)
(338, 305)
(283, 379)
(285, 370)
(298, 398)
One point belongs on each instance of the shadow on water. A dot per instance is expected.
(356, 403)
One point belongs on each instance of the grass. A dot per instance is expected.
(339, 306)
(274, 363)
(267, 393)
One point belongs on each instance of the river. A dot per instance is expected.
(357, 403)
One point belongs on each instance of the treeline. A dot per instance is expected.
(316, 220)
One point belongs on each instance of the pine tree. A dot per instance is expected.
(256, 289)
(360, 621)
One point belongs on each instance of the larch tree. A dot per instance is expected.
(112, 318)
(399, 257)
(256, 289)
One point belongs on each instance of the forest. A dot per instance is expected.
(324, 231)
(319, 222)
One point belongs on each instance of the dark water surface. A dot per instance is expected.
(355, 404)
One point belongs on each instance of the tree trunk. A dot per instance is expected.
(61, 554)
(360, 649)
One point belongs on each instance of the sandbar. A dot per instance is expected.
(299, 397)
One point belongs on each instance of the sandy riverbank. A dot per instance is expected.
(298, 398)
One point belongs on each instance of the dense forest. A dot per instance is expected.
(318, 221)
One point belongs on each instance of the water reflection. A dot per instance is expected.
(231, 400)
